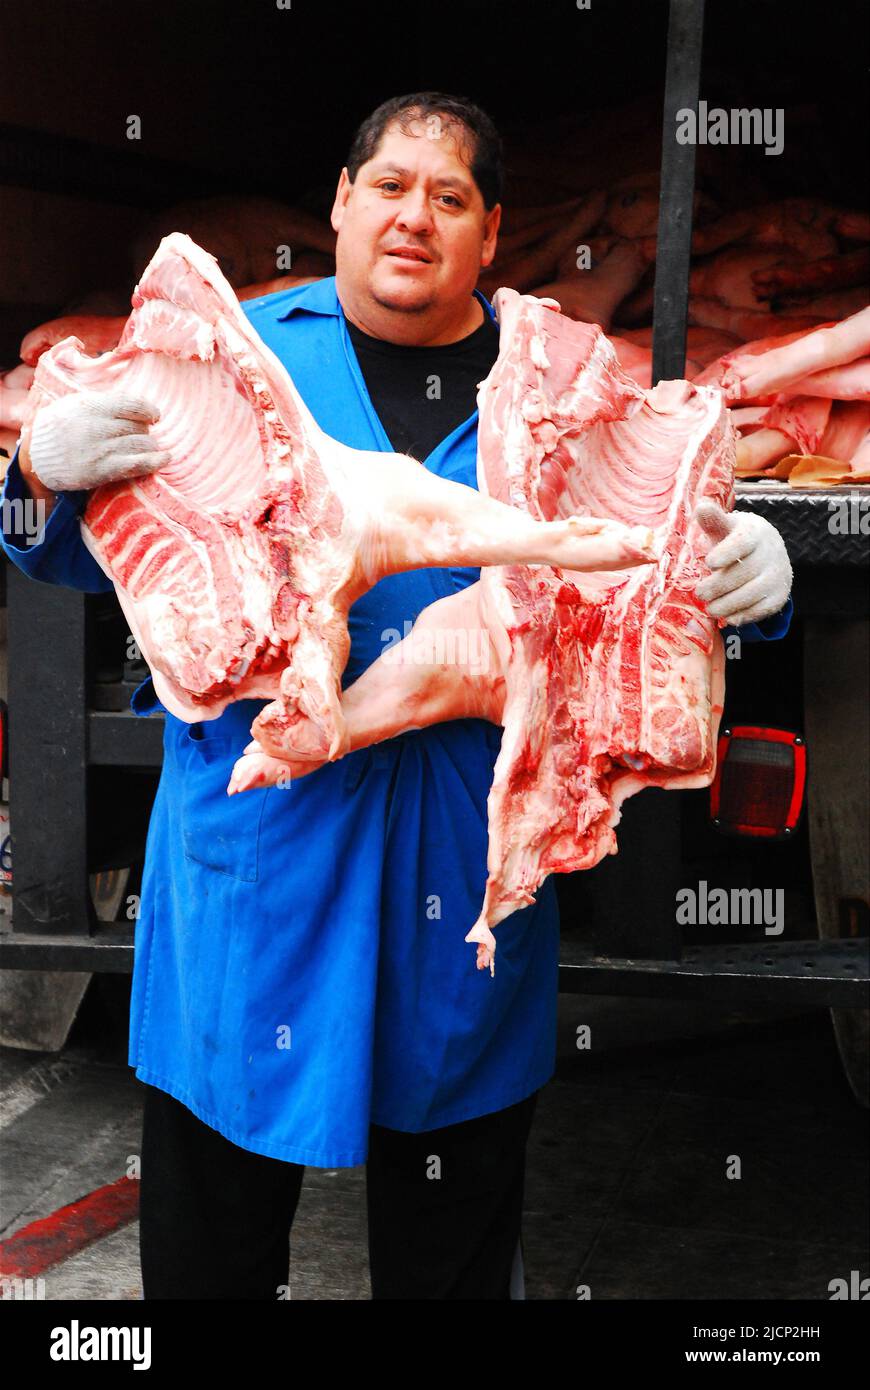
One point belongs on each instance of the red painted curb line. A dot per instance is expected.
(43, 1243)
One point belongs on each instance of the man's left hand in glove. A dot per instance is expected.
(750, 570)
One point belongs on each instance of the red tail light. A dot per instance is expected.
(758, 789)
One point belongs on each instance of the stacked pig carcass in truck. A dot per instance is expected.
(768, 272)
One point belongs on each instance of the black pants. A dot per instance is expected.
(215, 1219)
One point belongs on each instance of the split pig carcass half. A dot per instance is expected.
(604, 683)
(612, 682)
(236, 563)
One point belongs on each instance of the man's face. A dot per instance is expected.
(413, 232)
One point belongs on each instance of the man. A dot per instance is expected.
(298, 997)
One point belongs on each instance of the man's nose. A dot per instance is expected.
(415, 214)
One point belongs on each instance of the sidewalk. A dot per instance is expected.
(627, 1191)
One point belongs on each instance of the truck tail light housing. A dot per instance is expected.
(759, 785)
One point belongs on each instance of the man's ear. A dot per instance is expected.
(490, 236)
(342, 193)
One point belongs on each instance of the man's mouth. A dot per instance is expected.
(410, 253)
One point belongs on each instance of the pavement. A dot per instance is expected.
(631, 1192)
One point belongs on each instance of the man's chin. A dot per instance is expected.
(401, 306)
(406, 299)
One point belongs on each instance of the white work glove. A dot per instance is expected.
(90, 438)
(750, 570)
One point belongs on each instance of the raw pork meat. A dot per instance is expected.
(813, 385)
(236, 563)
(751, 372)
(14, 388)
(593, 295)
(96, 332)
(244, 233)
(801, 277)
(605, 683)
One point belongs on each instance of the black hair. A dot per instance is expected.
(486, 162)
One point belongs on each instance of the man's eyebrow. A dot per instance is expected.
(455, 179)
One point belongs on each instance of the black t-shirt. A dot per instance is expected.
(421, 394)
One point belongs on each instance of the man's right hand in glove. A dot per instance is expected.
(84, 440)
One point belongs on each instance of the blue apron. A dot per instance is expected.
(300, 968)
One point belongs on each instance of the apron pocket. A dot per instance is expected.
(218, 831)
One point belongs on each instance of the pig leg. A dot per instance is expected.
(746, 378)
(450, 666)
